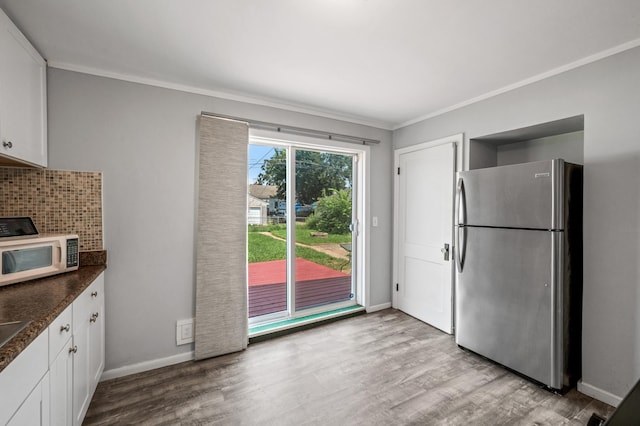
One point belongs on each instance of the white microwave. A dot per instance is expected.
(35, 257)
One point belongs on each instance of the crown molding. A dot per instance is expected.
(221, 94)
(573, 65)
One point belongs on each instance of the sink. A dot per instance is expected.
(10, 329)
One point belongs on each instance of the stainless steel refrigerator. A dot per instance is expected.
(518, 250)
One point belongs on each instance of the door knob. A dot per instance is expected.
(445, 251)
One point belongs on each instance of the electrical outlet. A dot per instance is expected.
(184, 331)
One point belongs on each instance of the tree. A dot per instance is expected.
(315, 173)
(332, 213)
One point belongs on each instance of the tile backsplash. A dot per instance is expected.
(58, 201)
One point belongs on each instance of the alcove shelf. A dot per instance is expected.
(562, 138)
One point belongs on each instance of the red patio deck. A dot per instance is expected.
(315, 285)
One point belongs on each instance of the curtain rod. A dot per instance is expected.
(297, 130)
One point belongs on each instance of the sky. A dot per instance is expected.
(257, 155)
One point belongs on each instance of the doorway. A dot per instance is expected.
(304, 229)
(423, 234)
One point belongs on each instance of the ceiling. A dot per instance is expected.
(385, 63)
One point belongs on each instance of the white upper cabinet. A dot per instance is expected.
(23, 103)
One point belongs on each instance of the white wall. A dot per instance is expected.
(143, 139)
(607, 92)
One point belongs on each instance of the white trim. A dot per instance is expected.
(146, 366)
(559, 70)
(254, 100)
(457, 139)
(599, 394)
(380, 307)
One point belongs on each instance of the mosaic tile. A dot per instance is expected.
(58, 201)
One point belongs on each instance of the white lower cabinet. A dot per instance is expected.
(88, 344)
(77, 339)
(53, 379)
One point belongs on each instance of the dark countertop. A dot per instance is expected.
(40, 301)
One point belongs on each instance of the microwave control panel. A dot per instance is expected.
(72, 252)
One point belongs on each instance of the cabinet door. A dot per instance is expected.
(35, 409)
(96, 334)
(22, 375)
(81, 376)
(22, 97)
(61, 386)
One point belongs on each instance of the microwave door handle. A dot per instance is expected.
(59, 254)
(8, 263)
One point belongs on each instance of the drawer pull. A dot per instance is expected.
(94, 294)
(65, 328)
(74, 349)
(94, 317)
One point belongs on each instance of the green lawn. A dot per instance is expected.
(263, 248)
(303, 234)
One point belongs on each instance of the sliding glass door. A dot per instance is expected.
(324, 216)
(302, 214)
(267, 236)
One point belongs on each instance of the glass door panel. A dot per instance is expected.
(323, 220)
(300, 213)
(267, 231)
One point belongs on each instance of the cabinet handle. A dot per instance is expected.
(94, 294)
(7, 144)
(74, 349)
(94, 317)
(65, 328)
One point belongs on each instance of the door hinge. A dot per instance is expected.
(398, 170)
(397, 287)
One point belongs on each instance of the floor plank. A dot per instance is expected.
(385, 368)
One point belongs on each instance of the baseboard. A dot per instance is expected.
(145, 366)
(380, 307)
(599, 394)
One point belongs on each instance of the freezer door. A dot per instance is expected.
(525, 195)
(505, 297)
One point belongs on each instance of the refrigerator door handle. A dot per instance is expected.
(461, 215)
(461, 203)
(459, 249)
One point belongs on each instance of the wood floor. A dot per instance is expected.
(385, 368)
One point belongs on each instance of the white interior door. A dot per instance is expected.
(424, 212)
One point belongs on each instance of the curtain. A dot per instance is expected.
(221, 247)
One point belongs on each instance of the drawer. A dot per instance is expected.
(88, 302)
(60, 331)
